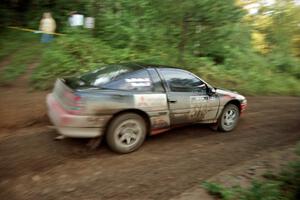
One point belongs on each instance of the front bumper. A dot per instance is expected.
(78, 126)
(243, 107)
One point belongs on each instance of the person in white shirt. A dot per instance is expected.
(47, 26)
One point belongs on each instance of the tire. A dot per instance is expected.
(126, 133)
(229, 118)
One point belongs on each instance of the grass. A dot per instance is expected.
(13, 40)
(12, 72)
(20, 52)
(283, 186)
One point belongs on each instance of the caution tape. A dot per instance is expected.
(32, 30)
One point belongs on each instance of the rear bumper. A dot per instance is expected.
(77, 126)
(79, 132)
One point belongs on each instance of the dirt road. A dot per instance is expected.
(33, 166)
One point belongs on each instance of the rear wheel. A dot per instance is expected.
(126, 133)
(229, 118)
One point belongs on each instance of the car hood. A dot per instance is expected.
(232, 94)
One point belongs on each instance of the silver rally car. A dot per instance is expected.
(126, 102)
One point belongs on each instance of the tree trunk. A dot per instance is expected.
(183, 39)
(97, 13)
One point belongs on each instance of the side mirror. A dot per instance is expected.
(211, 91)
(200, 88)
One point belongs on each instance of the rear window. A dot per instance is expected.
(104, 75)
(133, 81)
(118, 77)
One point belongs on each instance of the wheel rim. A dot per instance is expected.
(230, 117)
(128, 133)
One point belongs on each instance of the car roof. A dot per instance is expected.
(138, 65)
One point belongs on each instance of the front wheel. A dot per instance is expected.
(229, 118)
(126, 133)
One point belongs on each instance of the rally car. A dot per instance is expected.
(126, 102)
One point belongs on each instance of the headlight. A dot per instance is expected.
(244, 101)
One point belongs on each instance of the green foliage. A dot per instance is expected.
(290, 178)
(9, 42)
(219, 191)
(10, 73)
(284, 186)
(209, 37)
(257, 191)
(282, 34)
(18, 56)
(78, 52)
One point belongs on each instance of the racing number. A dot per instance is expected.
(199, 107)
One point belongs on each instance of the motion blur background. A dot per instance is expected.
(252, 46)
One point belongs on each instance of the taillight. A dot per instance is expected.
(75, 103)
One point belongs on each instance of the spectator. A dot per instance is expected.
(47, 26)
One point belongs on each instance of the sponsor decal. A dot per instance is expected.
(142, 102)
(139, 82)
(148, 84)
(159, 122)
(150, 100)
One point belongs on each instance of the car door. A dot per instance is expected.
(147, 94)
(187, 97)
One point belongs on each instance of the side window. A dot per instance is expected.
(134, 81)
(157, 84)
(181, 81)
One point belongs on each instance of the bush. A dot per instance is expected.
(77, 52)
